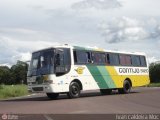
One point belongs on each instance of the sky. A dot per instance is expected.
(125, 25)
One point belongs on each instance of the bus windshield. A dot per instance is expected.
(42, 63)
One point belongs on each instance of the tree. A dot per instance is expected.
(19, 72)
(5, 75)
(154, 72)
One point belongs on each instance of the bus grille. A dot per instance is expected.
(37, 88)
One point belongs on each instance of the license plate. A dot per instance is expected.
(32, 79)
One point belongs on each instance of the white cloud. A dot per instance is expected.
(12, 50)
(25, 56)
(96, 4)
(6, 51)
(18, 30)
(152, 59)
(128, 29)
(159, 43)
(29, 25)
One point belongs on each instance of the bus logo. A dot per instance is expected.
(79, 70)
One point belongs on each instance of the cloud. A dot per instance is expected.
(128, 29)
(29, 25)
(25, 34)
(6, 51)
(152, 59)
(96, 4)
(12, 49)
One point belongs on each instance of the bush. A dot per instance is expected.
(1, 86)
(7, 91)
(154, 85)
(154, 70)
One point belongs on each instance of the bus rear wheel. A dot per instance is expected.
(74, 90)
(106, 91)
(126, 88)
(52, 96)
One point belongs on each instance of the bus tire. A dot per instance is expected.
(126, 88)
(106, 91)
(52, 96)
(74, 90)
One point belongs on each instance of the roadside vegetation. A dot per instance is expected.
(154, 85)
(8, 91)
(154, 74)
(154, 70)
(16, 74)
(13, 80)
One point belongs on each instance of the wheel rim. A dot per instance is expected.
(127, 87)
(75, 90)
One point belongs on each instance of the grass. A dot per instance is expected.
(154, 85)
(8, 91)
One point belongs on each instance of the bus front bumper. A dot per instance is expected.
(41, 88)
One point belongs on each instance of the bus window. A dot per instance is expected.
(135, 60)
(114, 59)
(122, 59)
(82, 57)
(63, 61)
(143, 61)
(125, 60)
(128, 60)
(98, 58)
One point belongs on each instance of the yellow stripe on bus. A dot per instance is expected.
(137, 80)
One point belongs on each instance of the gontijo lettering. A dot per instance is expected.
(133, 70)
(128, 70)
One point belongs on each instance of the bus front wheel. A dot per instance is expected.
(74, 90)
(126, 88)
(52, 95)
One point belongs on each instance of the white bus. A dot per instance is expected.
(71, 69)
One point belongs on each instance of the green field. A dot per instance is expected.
(8, 91)
(154, 85)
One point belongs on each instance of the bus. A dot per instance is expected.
(72, 69)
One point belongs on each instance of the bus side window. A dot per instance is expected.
(62, 61)
(135, 60)
(82, 57)
(128, 60)
(125, 60)
(98, 58)
(143, 61)
(114, 59)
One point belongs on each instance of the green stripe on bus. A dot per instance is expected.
(101, 76)
(97, 76)
(106, 76)
(82, 48)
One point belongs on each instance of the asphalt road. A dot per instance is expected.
(140, 100)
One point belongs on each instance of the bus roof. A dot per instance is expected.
(88, 48)
(104, 50)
